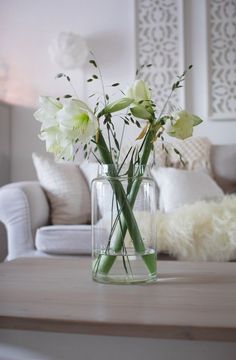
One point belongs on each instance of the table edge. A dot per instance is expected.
(183, 332)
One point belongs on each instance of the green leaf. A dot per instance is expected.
(95, 76)
(176, 151)
(112, 125)
(59, 75)
(196, 120)
(96, 107)
(162, 121)
(125, 158)
(140, 112)
(117, 105)
(93, 62)
(126, 120)
(117, 143)
(165, 149)
(130, 173)
(175, 86)
(115, 84)
(67, 96)
(138, 124)
(143, 132)
(89, 80)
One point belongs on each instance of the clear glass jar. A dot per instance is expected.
(123, 226)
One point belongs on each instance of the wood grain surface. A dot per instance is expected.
(195, 301)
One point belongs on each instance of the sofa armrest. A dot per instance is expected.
(23, 209)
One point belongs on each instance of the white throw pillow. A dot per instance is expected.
(89, 170)
(195, 152)
(179, 187)
(66, 189)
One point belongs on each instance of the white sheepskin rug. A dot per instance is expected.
(203, 231)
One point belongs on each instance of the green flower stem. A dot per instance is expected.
(122, 200)
(127, 219)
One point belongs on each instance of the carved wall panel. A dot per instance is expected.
(222, 59)
(159, 42)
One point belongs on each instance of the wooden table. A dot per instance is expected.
(190, 301)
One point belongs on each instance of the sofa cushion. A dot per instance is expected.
(223, 162)
(195, 152)
(89, 170)
(67, 191)
(64, 239)
(179, 187)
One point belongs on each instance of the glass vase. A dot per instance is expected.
(123, 225)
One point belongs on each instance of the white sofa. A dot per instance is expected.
(25, 212)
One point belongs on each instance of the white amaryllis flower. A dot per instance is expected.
(77, 120)
(46, 114)
(57, 142)
(181, 124)
(141, 107)
(139, 92)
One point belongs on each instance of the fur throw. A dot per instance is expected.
(203, 231)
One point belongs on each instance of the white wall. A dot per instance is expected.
(24, 141)
(4, 143)
(27, 28)
(4, 165)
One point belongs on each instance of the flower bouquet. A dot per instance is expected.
(69, 125)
